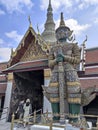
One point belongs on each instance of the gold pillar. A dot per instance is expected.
(12, 121)
(34, 120)
(10, 76)
(51, 124)
(47, 74)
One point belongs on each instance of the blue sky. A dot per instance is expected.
(80, 15)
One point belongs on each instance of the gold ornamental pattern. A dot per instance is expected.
(34, 52)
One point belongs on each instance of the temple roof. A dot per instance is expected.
(20, 50)
(29, 45)
(27, 66)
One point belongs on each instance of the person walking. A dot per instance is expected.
(27, 111)
(20, 110)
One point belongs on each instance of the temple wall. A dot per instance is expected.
(91, 55)
(7, 98)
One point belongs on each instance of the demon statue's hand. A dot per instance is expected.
(60, 58)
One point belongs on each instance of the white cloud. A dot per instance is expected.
(2, 12)
(1, 42)
(96, 11)
(5, 54)
(14, 35)
(96, 21)
(75, 26)
(86, 3)
(16, 5)
(5, 44)
(56, 4)
(66, 4)
(91, 2)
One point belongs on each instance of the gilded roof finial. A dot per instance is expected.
(84, 42)
(49, 6)
(12, 52)
(62, 23)
(29, 21)
(49, 2)
(38, 29)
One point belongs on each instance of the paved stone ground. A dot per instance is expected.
(4, 126)
(7, 126)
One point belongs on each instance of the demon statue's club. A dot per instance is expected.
(64, 83)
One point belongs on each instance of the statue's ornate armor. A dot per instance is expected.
(72, 58)
(71, 82)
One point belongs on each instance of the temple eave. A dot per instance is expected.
(27, 66)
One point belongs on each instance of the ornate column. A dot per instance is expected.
(46, 103)
(7, 97)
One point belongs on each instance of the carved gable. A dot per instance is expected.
(31, 47)
(34, 52)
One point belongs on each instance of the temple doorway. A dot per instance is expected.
(28, 85)
(92, 109)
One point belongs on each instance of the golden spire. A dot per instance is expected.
(50, 2)
(62, 23)
(12, 52)
(38, 29)
(29, 19)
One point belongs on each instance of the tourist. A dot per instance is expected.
(20, 110)
(27, 111)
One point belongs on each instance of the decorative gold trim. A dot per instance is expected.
(10, 76)
(54, 100)
(74, 115)
(73, 83)
(47, 73)
(56, 84)
(45, 47)
(34, 52)
(56, 114)
(47, 78)
(74, 100)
